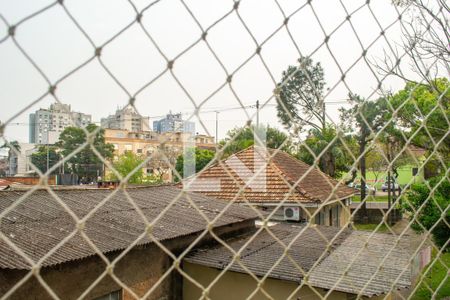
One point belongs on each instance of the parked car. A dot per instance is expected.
(394, 186)
(370, 190)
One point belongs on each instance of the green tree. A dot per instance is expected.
(86, 164)
(433, 212)
(300, 100)
(368, 117)
(202, 158)
(240, 138)
(423, 114)
(46, 155)
(338, 160)
(427, 104)
(125, 165)
(301, 105)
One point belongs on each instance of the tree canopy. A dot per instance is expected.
(202, 158)
(85, 163)
(336, 160)
(243, 137)
(300, 100)
(427, 211)
(46, 156)
(424, 111)
(125, 164)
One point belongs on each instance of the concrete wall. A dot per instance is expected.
(376, 215)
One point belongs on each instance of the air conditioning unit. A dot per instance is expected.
(292, 213)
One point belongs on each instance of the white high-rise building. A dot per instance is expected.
(126, 118)
(47, 124)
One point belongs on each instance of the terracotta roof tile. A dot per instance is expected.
(282, 172)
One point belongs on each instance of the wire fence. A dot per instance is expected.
(379, 132)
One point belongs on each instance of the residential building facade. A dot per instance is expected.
(174, 123)
(126, 118)
(162, 147)
(47, 124)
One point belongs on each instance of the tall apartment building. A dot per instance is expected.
(174, 123)
(126, 118)
(47, 124)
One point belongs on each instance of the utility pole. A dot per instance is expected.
(323, 115)
(389, 175)
(257, 114)
(48, 143)
(217, 126)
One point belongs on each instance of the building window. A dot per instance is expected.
(116, 295)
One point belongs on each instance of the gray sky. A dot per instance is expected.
(56, 45)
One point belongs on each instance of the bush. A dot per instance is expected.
(431, 213)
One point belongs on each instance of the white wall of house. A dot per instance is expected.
(19, 165)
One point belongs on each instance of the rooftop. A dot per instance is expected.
(264, 250)
(382, 258)
(282, 172)
(324, 271)
(38, 223)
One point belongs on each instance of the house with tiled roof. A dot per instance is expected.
(276, 182)
(322, 262)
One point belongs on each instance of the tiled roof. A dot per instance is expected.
(382, 258)
(282, 172)
(39, 223)
(263, 251)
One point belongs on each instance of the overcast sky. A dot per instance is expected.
(57, 46)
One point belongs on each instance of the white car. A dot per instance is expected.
(394, 186)
(370, 190)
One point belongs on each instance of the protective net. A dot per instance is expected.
(350, 199)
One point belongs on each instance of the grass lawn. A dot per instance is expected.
(434, 278)
(404, 177)
(371, 227)
(371, 198)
